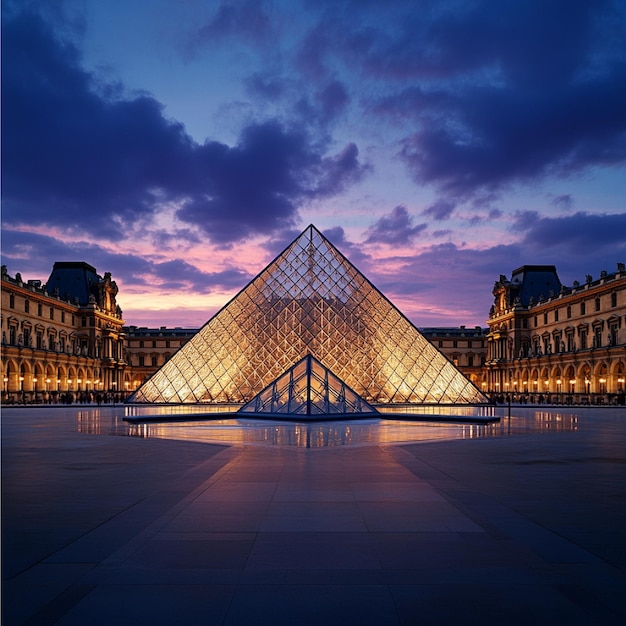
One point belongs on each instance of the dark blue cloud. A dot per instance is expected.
(395, 228)
(489, 94)
(84, 157)
(509, 93)
(564, 201)
(440, 210)
(580, 234)
(256, 187)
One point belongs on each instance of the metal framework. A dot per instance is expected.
(309, 300)
(308, 389)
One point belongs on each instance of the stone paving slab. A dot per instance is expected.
(101, 529)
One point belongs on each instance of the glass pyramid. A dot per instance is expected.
(309, 300)
(307, 389)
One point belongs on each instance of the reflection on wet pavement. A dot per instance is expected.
(371, 431)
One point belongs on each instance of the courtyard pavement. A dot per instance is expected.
(102, 529)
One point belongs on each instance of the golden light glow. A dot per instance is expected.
(310, 300)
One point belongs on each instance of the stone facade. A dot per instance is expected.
(465, 347)
(63, 340)
(545, 342)
(149, 348)
(552, 343)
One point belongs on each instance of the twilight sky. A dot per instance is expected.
(181, 145)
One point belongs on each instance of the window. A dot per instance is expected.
(582, 308)
(39, 309)
(470, 360)
(11, 301)
(569, 312)
(583, 339)
(26, 306)
(556, 315)
(535, 320)
(614, 299)
(597, 338)
(12, 335)
(154, 344)
(597, 304)
(50, 342)
(154, 361)
(63, 317)
(141, 361)
(39, 341)
(167, 344)
(83, 321)
(141, 344)
(51, 313)
(545, 318)
(62, 344)
(558, 343)
(27, 339)
(524, 323)
(455, 344)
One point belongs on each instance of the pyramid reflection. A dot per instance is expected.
(309, 300)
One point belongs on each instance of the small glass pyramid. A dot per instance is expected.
(309, 300)
(307, 389)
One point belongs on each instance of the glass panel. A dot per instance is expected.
(309, 300)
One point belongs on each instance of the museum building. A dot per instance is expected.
(545, 342)
(64, 340)
(551, 343)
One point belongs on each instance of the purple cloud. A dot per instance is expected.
(581, 233)
(28, 253)
(564, 201)
(440, 210)
(395, 228)
(488, 108)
